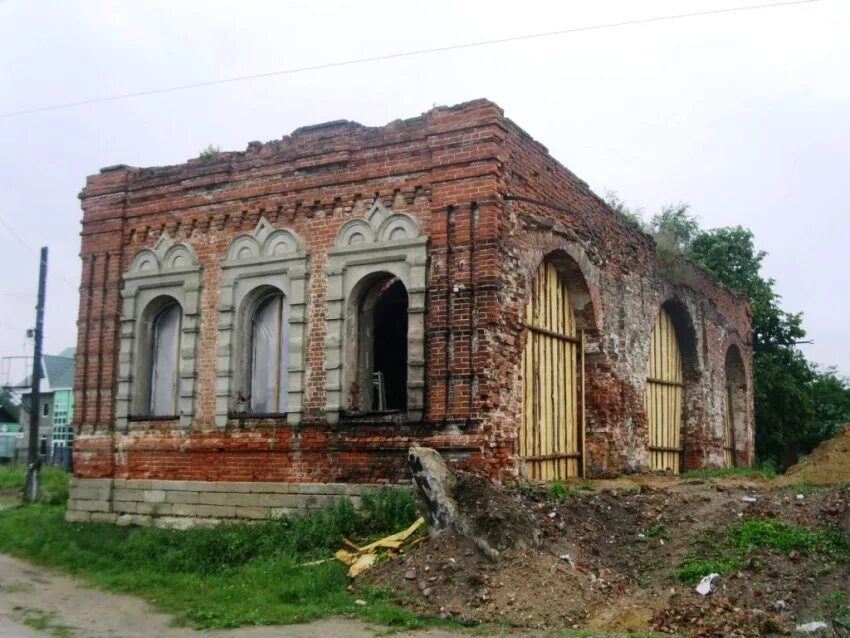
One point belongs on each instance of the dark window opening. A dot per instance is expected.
(382, 374)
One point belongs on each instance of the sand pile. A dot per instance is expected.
(828, 464)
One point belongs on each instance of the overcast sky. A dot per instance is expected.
(744, 115)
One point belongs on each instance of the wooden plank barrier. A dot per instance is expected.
(551, 441)
(664, 389)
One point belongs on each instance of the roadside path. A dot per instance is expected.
(67, 607)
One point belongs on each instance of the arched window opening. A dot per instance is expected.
(164, 375)
(267, 382)
(735, 401)
(382, 347)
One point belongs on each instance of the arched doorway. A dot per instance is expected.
(735, 401)
(664, 394)
(550, 439)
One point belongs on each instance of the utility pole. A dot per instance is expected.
(34, 460)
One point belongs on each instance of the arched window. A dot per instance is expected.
(164, 375)
(380, 383)
(268, 361)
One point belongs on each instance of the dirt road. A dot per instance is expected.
(35, 602)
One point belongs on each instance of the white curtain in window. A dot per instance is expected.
(165, 353)
(269, 355)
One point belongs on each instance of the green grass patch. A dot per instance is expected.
(54, 482)
(659, 530)
(732, 549)
(764, 471)
(558, 491)
(45, 621)
(230, 575)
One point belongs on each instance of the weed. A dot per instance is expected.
(224, 576)
(730, 550)
(776, 535)
(209, 151)
(587, 487)
(45, 621)
(766, 471)
(54, 482)
(559, 491)
(644, 570)
(659, 531)
(694, 568)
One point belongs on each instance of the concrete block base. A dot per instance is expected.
(184, 504)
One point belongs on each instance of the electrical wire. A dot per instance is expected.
(403, 54)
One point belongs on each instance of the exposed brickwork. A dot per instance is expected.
(458, 171)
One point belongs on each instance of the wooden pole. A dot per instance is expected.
(34, 460)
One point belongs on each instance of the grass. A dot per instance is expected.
(54, 482)
(241, 574)
(732, 549)
(765, 471)
(45, 621)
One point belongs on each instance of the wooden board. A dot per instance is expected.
(550, 439)
(729, 430)
(664, 389)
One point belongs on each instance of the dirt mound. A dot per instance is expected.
(611, 559)
(450, 577)
(470, 505)
(828, 464)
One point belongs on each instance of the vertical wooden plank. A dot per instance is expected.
(552, 281)
(560, 353)
(668, 395)
(557, 389)
(538, 416)
(583, 432)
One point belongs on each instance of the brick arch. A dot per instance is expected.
(582, 273)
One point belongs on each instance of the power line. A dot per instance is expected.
(75, 286)
(403, 54)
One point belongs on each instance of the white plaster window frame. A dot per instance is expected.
(266, 258)
(169, 270)
(384, 242)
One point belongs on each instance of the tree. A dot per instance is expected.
(675, 226)
(8, 408)
(729, 256)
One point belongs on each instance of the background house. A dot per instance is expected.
(56, 409)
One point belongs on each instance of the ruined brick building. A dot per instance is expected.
(260, 331)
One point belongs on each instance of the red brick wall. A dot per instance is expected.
(451, 169)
